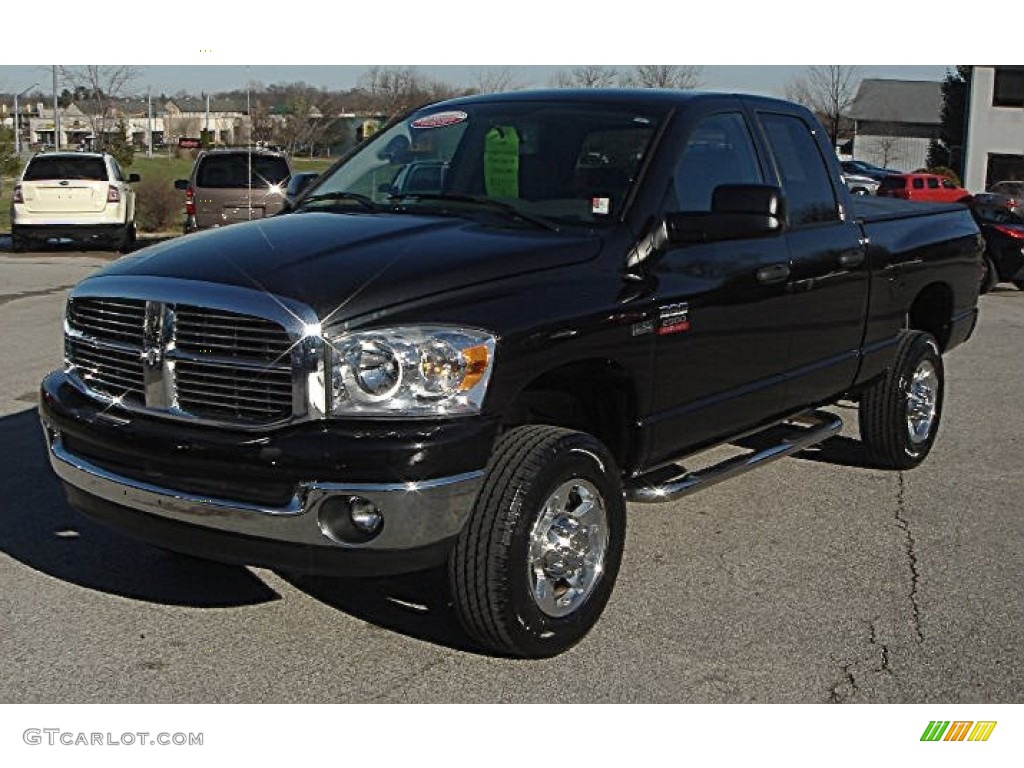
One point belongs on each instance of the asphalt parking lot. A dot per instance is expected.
(812, 580)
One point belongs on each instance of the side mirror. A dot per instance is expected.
(133, 178)
(181, 184)
(738, 212)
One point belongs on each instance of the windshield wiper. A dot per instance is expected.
(495, 205)
(363, 200)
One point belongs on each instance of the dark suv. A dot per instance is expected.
(231, 185)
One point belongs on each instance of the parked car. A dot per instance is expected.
(481, 375)
(927, 187)
(299, 183)
(862, 168)
(1003, 231)
(84, 197)
(1007, 194)
(227, 186)
(860, 185)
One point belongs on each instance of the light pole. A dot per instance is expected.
(17, 116)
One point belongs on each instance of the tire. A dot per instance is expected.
(990, 278)
(900, 413)
(18, 244)
(518, 599)
(126, 240)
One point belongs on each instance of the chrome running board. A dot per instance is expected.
(673, 482)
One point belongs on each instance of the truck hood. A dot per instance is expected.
(365, 261)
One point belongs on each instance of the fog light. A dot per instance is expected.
(350, 519)
(365, 515)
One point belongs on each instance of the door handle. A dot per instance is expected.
(850, 259)
(774, 273)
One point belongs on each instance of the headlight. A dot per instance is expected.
(410, 371)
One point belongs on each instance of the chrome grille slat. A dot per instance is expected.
(105, 319)
(187, 384)
(215, 365)
(185, 369)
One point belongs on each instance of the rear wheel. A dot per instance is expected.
(126, 239)
(535, 564)
(900, 412)
(990, 277)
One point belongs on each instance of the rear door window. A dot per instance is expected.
(79, 168)
(933, 183)
(805, 180)
(233, 171)
(917, 183)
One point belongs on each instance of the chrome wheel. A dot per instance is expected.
(922, 401)
(567, 548)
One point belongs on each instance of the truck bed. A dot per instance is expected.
(869, 209)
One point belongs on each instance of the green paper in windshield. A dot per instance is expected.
(501, 162)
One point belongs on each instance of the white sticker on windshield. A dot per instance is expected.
(440, 119)
(600, 206)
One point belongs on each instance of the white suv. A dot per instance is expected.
(81, 196)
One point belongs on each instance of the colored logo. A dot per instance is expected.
(958, 730)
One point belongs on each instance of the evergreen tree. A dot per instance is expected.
(120, 146)
(949, 149)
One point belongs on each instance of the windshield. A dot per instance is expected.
(562, 162)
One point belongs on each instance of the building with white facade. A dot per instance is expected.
(995, 127)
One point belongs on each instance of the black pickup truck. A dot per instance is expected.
(480, 334)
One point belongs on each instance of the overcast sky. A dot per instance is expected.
(767, 80)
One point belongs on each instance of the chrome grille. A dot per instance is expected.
(182, 360)
(225, 334)
(114, 372)
(118, 320)
(225, 392)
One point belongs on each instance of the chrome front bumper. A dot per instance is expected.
(416, 514)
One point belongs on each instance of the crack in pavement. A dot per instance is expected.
(7, 298)
(837, 697)
(845, 688)
(909, 546)
(883, 648)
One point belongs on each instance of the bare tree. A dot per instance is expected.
(664, 76)
(313, 122)
(101, 86)
(588, 76)
(887, 148)
(828, 91)
(393, 90)
(496, 80)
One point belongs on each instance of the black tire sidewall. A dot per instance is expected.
(538, 634)
(923, 347)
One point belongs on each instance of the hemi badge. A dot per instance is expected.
(673, 318)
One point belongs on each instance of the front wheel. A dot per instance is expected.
(535, 564)
(900, 412)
